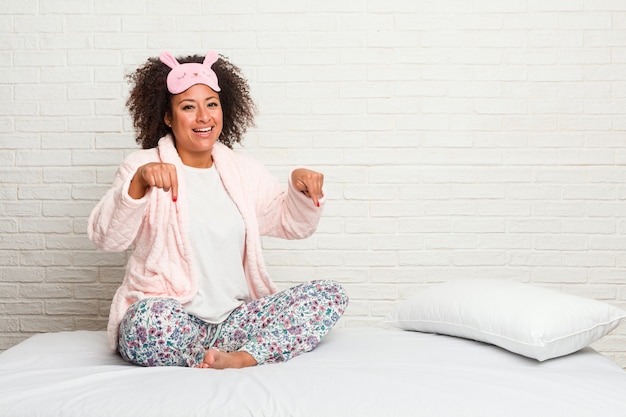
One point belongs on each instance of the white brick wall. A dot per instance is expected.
(458, 138)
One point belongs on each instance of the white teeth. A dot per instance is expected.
(207, 129)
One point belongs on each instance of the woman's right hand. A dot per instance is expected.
(154, 174)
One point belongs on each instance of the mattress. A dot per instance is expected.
(352, 372)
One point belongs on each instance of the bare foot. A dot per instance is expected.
(217, 359)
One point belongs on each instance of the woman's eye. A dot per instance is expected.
(188, 107)
(212, 104)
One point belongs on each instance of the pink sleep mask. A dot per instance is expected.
(183, 76)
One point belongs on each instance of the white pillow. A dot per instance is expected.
(536, 322)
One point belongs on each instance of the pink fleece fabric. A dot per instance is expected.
(157, 228)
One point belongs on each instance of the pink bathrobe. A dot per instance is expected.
(157, 228)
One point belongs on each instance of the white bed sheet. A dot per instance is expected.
(353, 372)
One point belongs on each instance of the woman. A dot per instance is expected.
(196, 292)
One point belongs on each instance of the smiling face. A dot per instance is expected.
(196, 120)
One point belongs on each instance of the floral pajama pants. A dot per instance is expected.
(158, 332)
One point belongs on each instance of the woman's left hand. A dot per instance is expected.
(308, 182)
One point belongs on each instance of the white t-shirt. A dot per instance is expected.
(217, 236)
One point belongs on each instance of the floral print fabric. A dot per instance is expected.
(158, 331)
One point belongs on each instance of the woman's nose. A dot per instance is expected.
(203, 115)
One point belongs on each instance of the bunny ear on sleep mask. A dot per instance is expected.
(183, 76)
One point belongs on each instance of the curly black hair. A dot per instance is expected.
(150, 101)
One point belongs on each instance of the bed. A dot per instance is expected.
(440, 355)
(353, 372)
